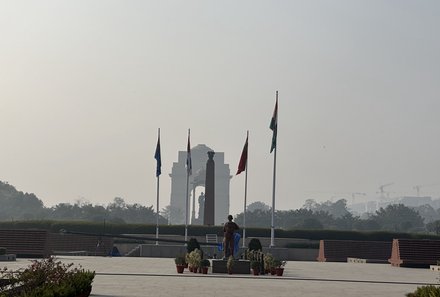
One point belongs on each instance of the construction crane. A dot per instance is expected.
(382, 191)
(418, 187)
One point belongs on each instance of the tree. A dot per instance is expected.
(18, 205)
(366, 225)
(166, 212)
(427, 212)
(258, 218)
(258, 205)
(310, 204)
(346, 222)
(311, 223)
(304, 219)
(337, 209)
(434, 227)
(398, 218)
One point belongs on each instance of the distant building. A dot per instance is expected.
(413, 201)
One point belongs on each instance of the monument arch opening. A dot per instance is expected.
(197, 187)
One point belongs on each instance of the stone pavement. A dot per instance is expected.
(130, 276)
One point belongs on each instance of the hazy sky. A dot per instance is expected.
(84, 85)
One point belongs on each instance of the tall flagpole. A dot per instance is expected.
(186, 207)
(158, 172)
(188, 169)
(245, 192)
(157, 212)
(272, 225)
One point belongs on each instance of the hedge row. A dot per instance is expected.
(111, 228)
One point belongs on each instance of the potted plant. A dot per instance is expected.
(255, 265)
(230, 264)
(194, 258)
(180, 263)
(186, 260)
(205, 265)
(268, 263)
(279, 267)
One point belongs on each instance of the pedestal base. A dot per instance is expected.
(240, 266)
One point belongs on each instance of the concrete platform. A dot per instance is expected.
(130, 277)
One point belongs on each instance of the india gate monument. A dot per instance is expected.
(216, 188)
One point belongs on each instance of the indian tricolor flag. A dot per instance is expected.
(157, 156)
(273, 126)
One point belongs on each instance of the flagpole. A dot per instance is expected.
(157, 212)
(157, 196)
(186, 207)
(245, 193)
(187, 189)
(272, 225)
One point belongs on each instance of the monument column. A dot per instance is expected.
(209, 213)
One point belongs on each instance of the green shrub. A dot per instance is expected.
(205, 263)
(47, 278)
(426, 291)
(180, 260)
(255, 264)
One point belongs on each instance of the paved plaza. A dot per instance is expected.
(127, 276)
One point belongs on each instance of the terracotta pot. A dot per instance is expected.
(205, 270)
(255, 271)
(272, 271)
(279, 271)
(180, 268)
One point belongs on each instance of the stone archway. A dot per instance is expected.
(199, 157)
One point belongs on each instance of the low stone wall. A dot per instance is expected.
(340, 250)
(415, 252)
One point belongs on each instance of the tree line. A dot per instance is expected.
(16, 205)
(335, 215)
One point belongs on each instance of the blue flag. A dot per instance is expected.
(157, 157)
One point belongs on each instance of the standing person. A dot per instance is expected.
(228, 240)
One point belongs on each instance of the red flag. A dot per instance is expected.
(243, 159)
